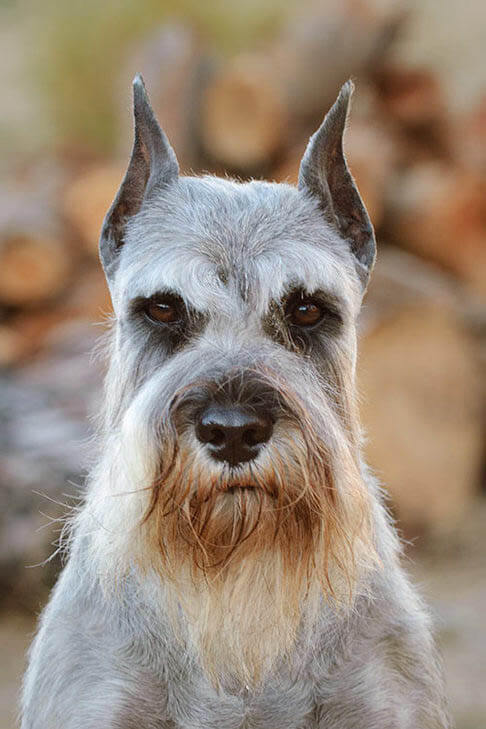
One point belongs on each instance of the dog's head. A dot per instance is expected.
(233, 437)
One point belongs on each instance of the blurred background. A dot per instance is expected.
(239, 86)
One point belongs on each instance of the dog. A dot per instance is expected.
(233, 565)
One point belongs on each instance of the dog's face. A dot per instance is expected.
(231, 387)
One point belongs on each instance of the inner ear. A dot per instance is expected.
(324, 173)
(153, 162)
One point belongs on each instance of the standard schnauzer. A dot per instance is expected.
(233, 565)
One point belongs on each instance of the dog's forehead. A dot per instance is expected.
(209, 238)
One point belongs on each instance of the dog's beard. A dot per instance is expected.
(248, 552)
(244, 620)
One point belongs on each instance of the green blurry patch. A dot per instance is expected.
(79, 46)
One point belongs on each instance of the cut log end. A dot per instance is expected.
(32, 269)
(243, 117)
(87, 200)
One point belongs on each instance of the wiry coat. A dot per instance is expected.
(118, 646)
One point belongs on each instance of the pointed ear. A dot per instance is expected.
(325, 175)
(153, 162)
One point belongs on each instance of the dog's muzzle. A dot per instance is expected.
(232, 433)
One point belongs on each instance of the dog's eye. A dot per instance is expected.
(304, 313)
(163, 312)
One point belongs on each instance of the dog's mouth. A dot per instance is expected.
(235, 488)
(248, 489)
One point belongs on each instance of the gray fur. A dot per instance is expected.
(109, 658)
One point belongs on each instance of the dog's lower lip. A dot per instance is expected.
(239, 487)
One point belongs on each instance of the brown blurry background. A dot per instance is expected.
(239, 86)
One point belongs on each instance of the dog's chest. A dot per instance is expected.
(286, 704)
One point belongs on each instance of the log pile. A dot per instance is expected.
(419, 375)
(420, 167)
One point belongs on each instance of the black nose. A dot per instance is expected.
(232, 433)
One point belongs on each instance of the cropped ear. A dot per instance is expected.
(325, 175)
(153, 162)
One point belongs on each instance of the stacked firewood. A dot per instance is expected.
(422, 173)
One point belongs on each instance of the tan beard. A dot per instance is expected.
(249, 560)
(245, 621)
